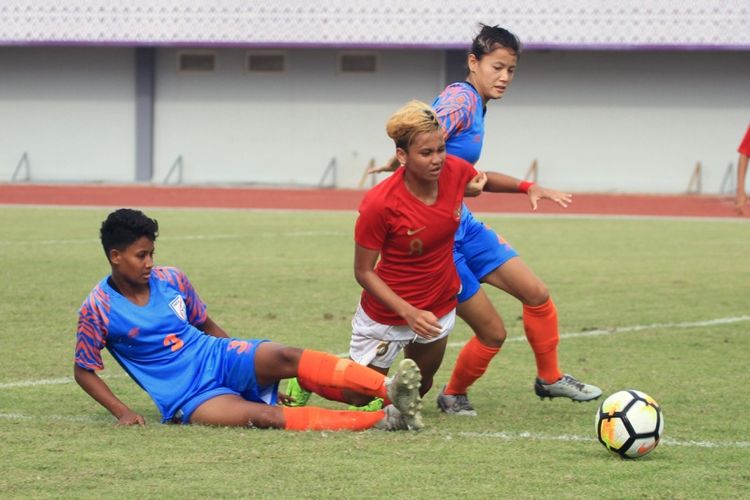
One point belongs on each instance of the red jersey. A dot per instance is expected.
(415, 241)
(745, 145)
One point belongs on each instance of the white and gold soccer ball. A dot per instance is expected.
(629, 423)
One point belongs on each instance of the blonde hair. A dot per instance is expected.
(414, 118)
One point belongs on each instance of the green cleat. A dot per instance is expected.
(295, 392)
(374, 405)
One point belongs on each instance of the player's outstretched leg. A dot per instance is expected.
(233, 410)
(403, 392)
(567, 387)
(311, 418)
(540, 323)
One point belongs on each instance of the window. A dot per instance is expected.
(265, 62)
(196, 62)
(358, 62)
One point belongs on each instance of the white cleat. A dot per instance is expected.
(567, 387)
(403, 393)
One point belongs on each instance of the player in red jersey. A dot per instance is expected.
(744, 151)
(481, 255)
(409, 299)
(403, 255)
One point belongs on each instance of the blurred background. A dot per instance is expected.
(609, 96)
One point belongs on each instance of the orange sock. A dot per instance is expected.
(540, 323)
(311, 418)
(330, 393)
(325, 372)
(471, 364)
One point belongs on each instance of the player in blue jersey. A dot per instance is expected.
(155, 325)
(483, 256)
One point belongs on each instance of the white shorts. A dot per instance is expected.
(377, 344)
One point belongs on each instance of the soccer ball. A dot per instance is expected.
(629, 423)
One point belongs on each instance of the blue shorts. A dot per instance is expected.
(477, 251)
(233, 367)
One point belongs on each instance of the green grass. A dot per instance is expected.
(288, 277)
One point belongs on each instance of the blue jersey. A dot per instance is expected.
(158, 344)
(461, 113)
(477, 250)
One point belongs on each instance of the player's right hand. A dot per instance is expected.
(425, 324)
(131, 418)
(475, 186)
(739, 204)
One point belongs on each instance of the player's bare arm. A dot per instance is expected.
(424, 323)
(501, 183)
(390, 166)
(102, 394)
(210, 327)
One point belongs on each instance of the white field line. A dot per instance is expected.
(503, 435)
(515, 436)
(47, 418)
(589, 333)
(635, 328)
(623, 329)
(50, 381)
(195, 237)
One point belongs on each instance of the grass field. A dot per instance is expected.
(658, 305)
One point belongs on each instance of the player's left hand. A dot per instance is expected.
(285, 399)
(130, 418)
(537, 193)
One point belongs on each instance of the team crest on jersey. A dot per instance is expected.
(178, 306)
(382, 349)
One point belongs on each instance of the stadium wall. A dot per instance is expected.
(71, 110)
(597, 121)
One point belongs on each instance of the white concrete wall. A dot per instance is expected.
(71, 110)
(595, 121)
(622, 121)
(233, 126)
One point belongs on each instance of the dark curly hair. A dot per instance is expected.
(124, 226)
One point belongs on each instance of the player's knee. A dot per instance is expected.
(496, 338)
(536, 294)
(492, 333)
(286, 359)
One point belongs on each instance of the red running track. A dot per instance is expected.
(348, 199)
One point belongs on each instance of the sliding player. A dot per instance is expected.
(152, 321)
